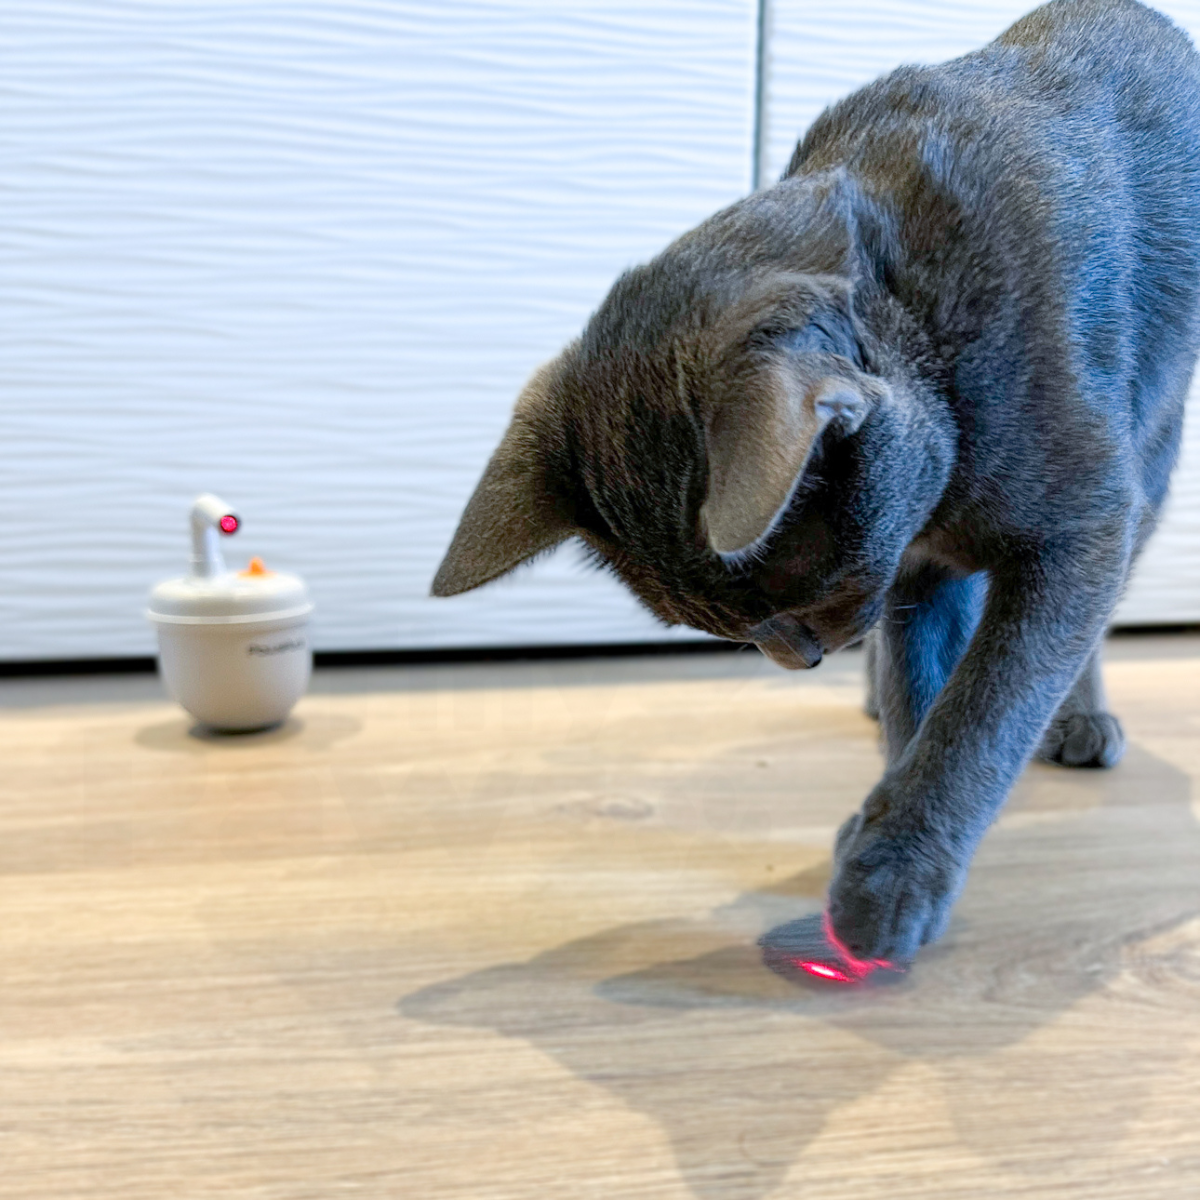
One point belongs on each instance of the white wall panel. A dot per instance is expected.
(817, 54)
(304, 254)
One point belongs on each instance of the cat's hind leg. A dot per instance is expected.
(871, 671)
(1083, 732)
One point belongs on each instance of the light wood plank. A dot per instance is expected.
(489, 932)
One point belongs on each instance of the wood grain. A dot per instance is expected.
(489, 932)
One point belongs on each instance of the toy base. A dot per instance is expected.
(234, 679)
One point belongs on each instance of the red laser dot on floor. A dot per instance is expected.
(229, 523)
(860, 967)
(823, 971)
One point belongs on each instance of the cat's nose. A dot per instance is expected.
(787, 642)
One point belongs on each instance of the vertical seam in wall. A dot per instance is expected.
(759, 151)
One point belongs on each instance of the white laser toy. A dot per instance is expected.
(233, 646)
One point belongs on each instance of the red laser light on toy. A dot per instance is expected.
(229, 523)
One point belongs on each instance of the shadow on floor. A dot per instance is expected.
(183, 735)
(742, 1069)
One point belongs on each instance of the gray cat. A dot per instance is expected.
(929, 384)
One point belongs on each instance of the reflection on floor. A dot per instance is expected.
(491, 931)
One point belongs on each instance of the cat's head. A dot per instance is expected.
(723, 435)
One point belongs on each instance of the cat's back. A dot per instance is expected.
(1080, 67)
(1056, 169)
(1126, 62)
(1043, 195)
(1109, 40)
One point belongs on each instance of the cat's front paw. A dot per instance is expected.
(1084, 740)
(892, 890)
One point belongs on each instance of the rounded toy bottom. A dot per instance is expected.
(234, 679)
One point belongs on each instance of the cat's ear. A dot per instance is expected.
(846, 234)
(512, 515)
(758, 449)
(794, 366)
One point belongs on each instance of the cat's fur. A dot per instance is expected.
(932, 382)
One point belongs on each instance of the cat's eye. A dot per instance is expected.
(822, 336)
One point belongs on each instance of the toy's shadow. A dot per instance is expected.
(742, 1067)
(183, 735)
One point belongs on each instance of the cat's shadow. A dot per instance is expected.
(741, 1067)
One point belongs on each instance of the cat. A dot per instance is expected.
(930, 384)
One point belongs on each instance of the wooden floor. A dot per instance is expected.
(484, 932)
